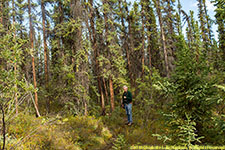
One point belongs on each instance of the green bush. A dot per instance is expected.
(191, 92)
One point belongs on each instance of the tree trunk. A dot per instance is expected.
(45, 53)
(96, 55)
(157, 3)
(102, 96)
(150, 54)
(1, 19)
(32, 48)
(15, 65)
(107, 46)
(143, 43)
(125, 44)
(207, 21)
(179, 14)
(44, 40)
(202, 23)
(106, 91)
(3, 127)
(111, 93)
(131, 40)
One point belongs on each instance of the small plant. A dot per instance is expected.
(188, 134)
(120, 143)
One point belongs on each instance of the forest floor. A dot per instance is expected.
(81, 132)
(139, 133)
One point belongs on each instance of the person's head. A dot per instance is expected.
(125, 88)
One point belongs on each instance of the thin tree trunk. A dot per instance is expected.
(15, 65)
(85, 108)
(61, 40)
(179, 13)
(45, 53)
(207, 22)
(143, 43)
(170, 46)
(125, 45)
(3, 127)
(149, 21)
(202, 23)
(16, 95)
(44, 40)
(157, 3)
(1, 19)
(131, 40)
(111, 93)
(107, 44)
(96, 54)
(150, 54)
(170, 21)
(32, 48)
(102, 96)
(106, 90)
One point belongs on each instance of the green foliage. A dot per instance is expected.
(163, 138)
(191, 93)
(88, 44)
(88, 132)
(120, 143)
(140, 133)
(148, 96)
(215, 130)
(11, 77)
(187, 133)
(220, 15)
(75, 133)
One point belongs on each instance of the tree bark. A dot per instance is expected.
(107, 45)
(106, 90)
(44, 40)
(202, 23)
(150, 54)
(32, 48)
(96, 55)
(125, 44)
(207, 22)
(157, 3)
(15, 65)
(1, 19)
(131, 40)
(45, 53)
(102, 96)
(3, 127)
(111, 93)
(143, 42)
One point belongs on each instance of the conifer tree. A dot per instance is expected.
(154, 59)
(220, 15)
(116, 65)
(169, 29)
(98, 56)
(32, 51)
(203, 22)
(43, 11)
(159, 13)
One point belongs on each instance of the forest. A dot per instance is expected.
(64, 64)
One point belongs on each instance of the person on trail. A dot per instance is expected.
(127, 104)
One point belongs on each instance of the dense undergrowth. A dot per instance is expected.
(75, 133)
(109, 132)
(80, 132)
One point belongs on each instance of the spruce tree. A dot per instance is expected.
(220, 15)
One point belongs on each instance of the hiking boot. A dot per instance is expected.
(129, 124)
